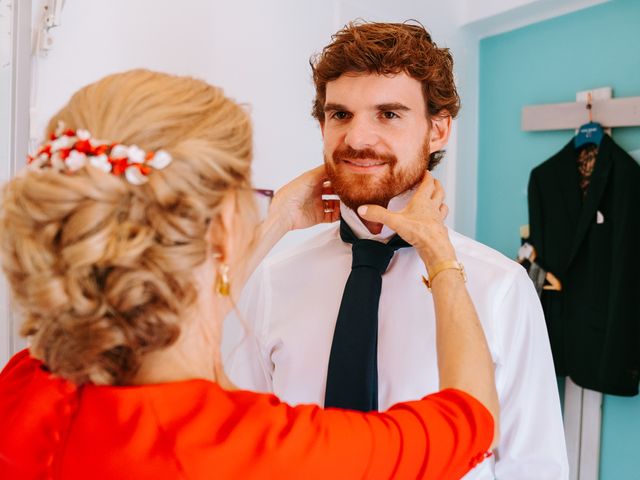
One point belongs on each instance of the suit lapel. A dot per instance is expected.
(595, 191)
(568, 184)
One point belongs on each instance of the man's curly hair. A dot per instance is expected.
(387, 49)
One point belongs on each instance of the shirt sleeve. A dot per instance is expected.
(532, 444)
(246, 359)
(439, 437)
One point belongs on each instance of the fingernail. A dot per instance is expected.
(362, 209)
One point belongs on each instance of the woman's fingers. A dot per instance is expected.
(317, 174)
(331, 214)
(421, 223)
(330, 202)
(438, 192)
(378, 214)
(427, 186)
(300, 202)
(444, 211)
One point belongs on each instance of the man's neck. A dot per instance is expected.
(374, 227)
(365, 229)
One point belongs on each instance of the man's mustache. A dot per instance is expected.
(348, 153)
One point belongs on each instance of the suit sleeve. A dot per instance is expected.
(439, 437)
(246, 359)
(532, 444)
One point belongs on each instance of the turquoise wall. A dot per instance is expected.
(547, 63)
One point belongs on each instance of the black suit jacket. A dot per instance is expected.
(594, 322)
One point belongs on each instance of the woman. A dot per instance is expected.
(124, 259)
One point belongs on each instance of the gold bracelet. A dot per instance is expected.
(442, 266)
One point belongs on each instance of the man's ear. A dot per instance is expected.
(322, 128)
(440, 131)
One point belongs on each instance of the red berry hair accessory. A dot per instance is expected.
(70, 150)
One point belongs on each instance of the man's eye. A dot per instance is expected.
(340, 115)
(390, 115)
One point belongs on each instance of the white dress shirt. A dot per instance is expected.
(291, 304)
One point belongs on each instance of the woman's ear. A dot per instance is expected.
(440, 131)
(221, 233)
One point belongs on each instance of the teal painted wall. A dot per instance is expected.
(549, 62)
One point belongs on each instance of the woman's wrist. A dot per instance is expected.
(278, 219)
(274, 227)
(433, 255)
(445, 269)
(266, 235)
(433, 245)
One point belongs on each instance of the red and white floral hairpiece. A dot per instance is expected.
(70, 150)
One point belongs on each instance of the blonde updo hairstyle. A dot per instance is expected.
(102, 269)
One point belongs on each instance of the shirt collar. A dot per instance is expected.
(396, 203)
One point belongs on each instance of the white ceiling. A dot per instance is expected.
(482, 18)
(490, 17)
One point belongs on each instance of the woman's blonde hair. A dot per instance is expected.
(102, 269)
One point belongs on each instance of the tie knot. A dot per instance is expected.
(369, 253)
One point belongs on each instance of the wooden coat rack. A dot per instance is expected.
(609, 112)
(582, 407)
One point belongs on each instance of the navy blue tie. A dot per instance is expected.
(352, 377)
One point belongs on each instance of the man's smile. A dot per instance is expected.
(363, 165)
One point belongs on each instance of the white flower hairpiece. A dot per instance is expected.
(70, 150)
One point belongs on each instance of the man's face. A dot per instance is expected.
(376, 137)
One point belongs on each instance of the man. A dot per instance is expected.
(385, 97)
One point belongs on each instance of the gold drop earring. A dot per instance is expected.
(223, 284)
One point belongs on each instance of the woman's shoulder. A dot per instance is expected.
(35, 406)
(29, 393)
(49, 422)
(26, 384)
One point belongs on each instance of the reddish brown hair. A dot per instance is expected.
(389, 48)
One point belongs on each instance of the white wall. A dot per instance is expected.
(257, 51)
(5, 162)
(15, 45)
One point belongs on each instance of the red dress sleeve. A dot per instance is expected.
(194, 429)
(440, 437)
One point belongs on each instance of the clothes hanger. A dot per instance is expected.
(589, 133)
(528, 252)
(554, 284)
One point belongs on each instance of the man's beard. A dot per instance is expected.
(355, 189)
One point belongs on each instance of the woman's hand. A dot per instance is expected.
(421, 222)
(464, 360)
(299, 203)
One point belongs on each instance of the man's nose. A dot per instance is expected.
(361, 134)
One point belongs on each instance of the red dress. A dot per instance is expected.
(194, 429)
